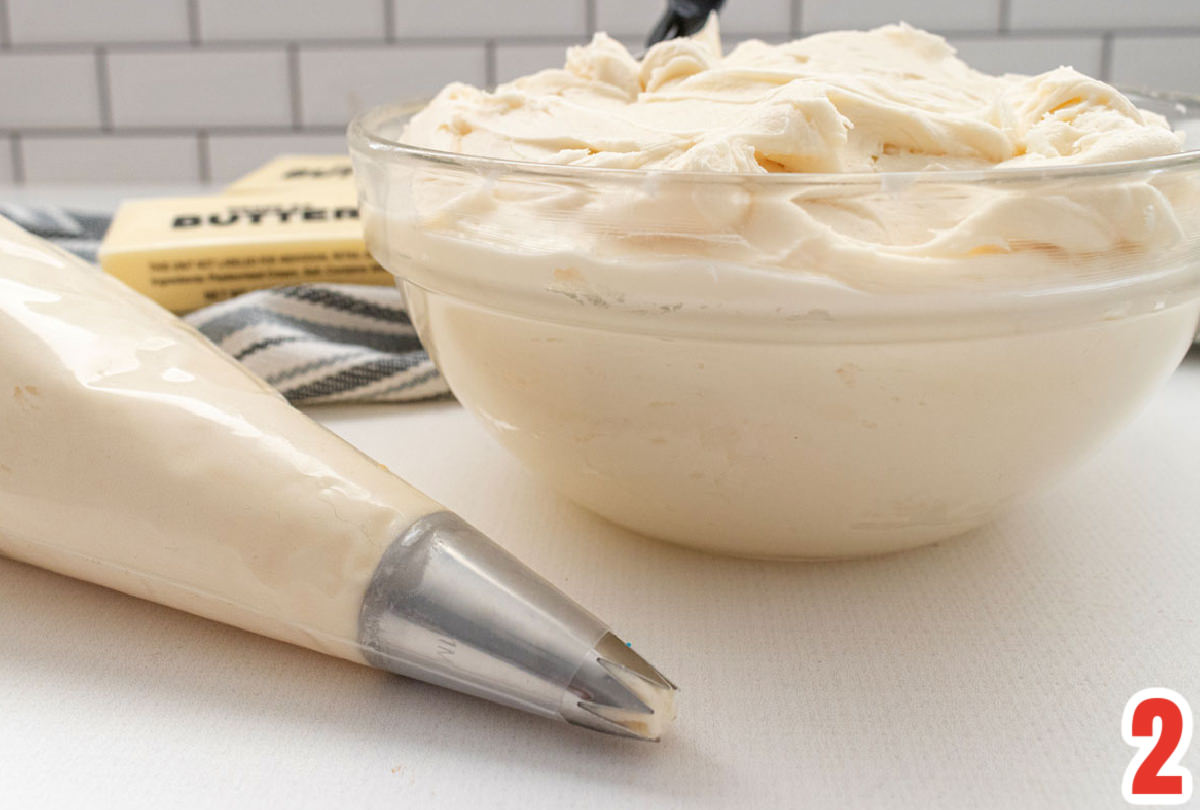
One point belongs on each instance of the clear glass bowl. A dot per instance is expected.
(792, 365)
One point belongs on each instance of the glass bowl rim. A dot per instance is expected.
(363, 136)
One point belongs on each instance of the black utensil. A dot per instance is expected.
(682, 19)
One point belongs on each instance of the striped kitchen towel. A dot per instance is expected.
(71, 230)
(320, 343)
(315, 343)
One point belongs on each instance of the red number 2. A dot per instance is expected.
(1158, 722)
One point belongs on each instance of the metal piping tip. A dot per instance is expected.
(618, 692)
(449, 606)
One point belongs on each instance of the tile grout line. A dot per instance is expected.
(18, 159)
(1014, 36)
(796, 18)
(489, 63)
(1106, 57)
(293, 64)
(389, 21)
(165, 131)
(203, 158)
(238, 45)
(589, 17)
(193, 21)
(219, 46)
(5, 34)
(104, 89)
(1004, 23)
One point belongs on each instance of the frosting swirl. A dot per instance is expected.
(894, 98)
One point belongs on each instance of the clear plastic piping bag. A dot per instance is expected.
(136, 455)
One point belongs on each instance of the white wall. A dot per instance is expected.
(187, 90)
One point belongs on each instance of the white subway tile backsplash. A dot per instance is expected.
(1158, 63)
(256, 99)
(111, 159)
(290, 19)
(1104, 14)
(1031, 54)
(513, 61)
(200, 88)
(231, 156)
(48, 90)
(635, 18)
(337, 83)
(489, 18)
(936, 15)
(97, 21)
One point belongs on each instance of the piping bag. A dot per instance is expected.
(134, 454)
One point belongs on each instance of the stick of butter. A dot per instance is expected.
(188, 252)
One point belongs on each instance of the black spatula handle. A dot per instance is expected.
(682, 19)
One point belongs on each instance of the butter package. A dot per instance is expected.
(332, 172)
(189, 252)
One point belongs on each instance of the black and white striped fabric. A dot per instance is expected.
(70, 230)
(325, 343)
(315, 343)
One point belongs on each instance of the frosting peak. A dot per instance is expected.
(891, 99)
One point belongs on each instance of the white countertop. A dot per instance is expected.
(986, 671)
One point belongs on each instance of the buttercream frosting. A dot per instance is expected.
(822, 343)
(893, 98)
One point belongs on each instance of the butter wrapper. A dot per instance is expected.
(189, 252)
(315, 172)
